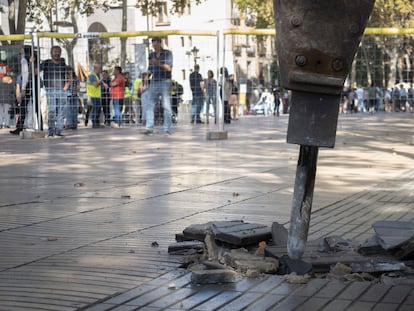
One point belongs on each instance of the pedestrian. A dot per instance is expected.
(105, 97)
(276, 101)
(117, 95)
(403, 98)
(93, 89)
(54, 77)
(176, 92)
(25, 88)
(127, 109)
(210, 88)
(143, 95)
(234, 97)
(225, 93)
(196, 85)
(72, 87)
(160, 66)
(410, 98)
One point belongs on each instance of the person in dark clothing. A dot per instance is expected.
(176, 92)
(196, 85)
(225, 93)
(105, 97)
(25, 88)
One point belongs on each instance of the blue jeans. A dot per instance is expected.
(117, 104)
(196, 106)
(144, 105)
(156, 89)
(72, 112)
(211, 99)
(96, 110)
(57, 101)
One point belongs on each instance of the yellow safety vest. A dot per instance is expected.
(127, 93)
(91, 90)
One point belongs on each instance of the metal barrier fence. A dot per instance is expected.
(385, 59)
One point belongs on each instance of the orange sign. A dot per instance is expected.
(4, 70)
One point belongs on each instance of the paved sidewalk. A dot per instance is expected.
(78, 215)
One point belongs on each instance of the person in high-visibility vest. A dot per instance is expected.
(93, 90)
(136, 97)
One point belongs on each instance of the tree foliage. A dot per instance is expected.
(386, 13)
(260, 10)
(393, 13)
(151, 7)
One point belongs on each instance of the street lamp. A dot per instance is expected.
(195, 54)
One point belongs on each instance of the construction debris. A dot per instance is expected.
(253, 249)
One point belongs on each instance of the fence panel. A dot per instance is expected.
(385, 60)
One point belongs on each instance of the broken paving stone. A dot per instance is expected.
(236, 232)
(212, 249)
(288, 265)
(279, 234)
(243, 261)
(211, 265)
(199, 231)
(213, 276)
(242, 234)
(406, 251)
(184, 247)
(392, 234)
(372, 267)
(371, 246)
(179, 237)
(335, 243)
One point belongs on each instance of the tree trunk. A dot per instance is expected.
(124, 28)
(21, 17)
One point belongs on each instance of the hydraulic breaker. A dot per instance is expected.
(316, 41)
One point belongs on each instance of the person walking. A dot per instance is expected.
(54, 77)
(117, 95)
(196, 85)
(225, 93)
(72, 87)
(160, 66)
(25, 88)
(93, 90)
(210, 88)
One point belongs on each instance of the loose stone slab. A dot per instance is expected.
(371, 246)
(243, 261)
(242, 234)
(213, 276)
(288, 265)
(392, 234)
(373, 266)
(279, 234)
(179, 247)
(199, 231)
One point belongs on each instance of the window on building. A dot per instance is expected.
(163, 18)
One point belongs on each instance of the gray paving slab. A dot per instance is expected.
(78, 215)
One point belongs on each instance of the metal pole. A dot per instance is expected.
(36, 124)
(302, 201)
(223, 81)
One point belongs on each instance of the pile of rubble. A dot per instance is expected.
(221, 251)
